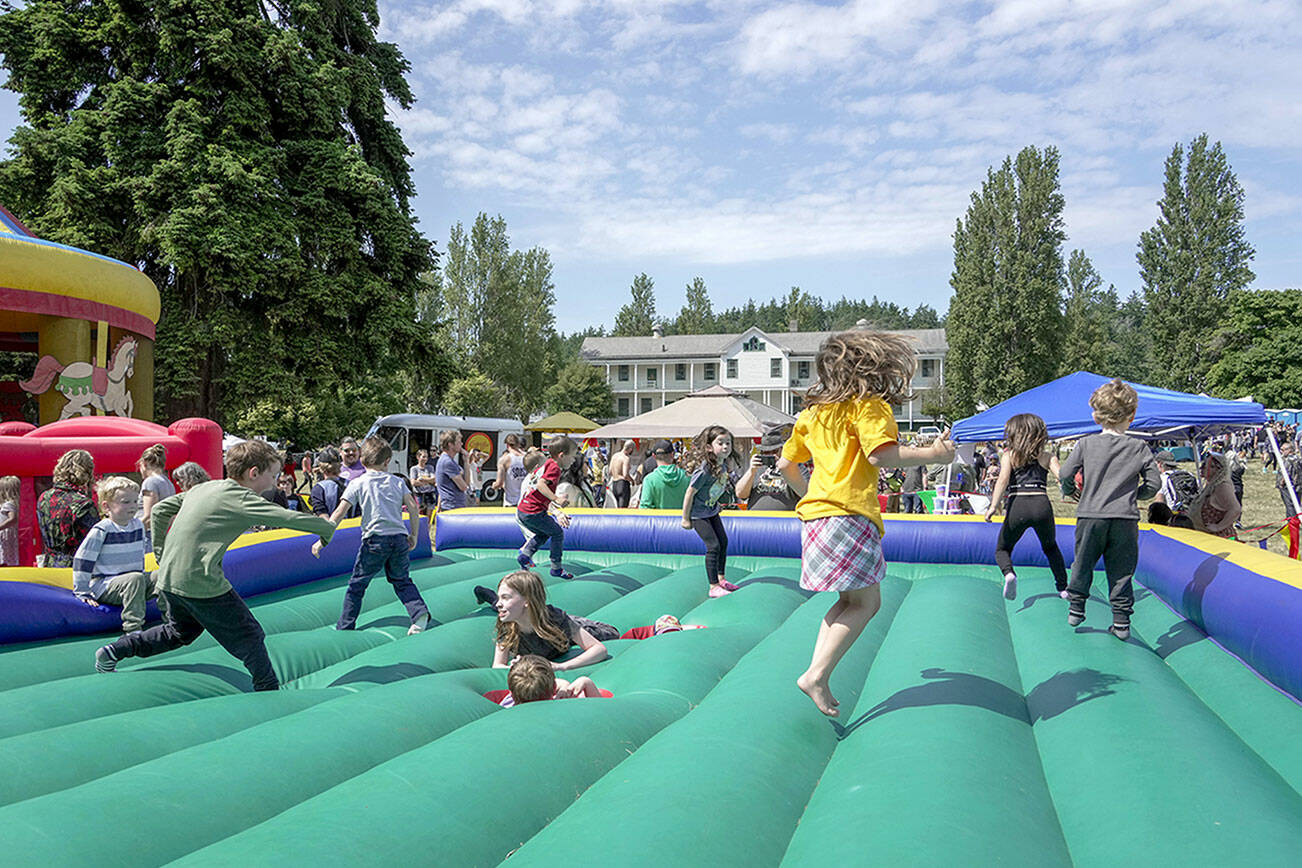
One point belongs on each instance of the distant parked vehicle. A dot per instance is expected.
(408, 433)
(928, 432)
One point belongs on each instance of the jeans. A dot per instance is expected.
(910, 503)
(716, 545)
(226, 617)
(1117, 541)
(390, 552)
(544, 529)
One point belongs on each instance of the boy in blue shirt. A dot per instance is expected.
(109, 566)
(386, 539)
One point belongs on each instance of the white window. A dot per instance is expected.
(732, 369)
(775, 368)
(711, 371)
(646, 405)
(623, 406)
(680, 372)
(623, 373)
(753, 345)
(650, 376)
(928, 367)
(802, 370)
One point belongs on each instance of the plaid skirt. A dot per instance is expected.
(840, 553)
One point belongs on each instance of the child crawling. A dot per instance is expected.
(532, 678)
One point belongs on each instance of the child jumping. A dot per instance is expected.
(1117, 470)
(1023, 473)
(386, 539)
(533, 511)
(707, 487)
(192, 531)
(848, 429)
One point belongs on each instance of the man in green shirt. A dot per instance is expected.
(191, 533)
(665, 486)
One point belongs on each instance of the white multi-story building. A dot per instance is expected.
(772, 368)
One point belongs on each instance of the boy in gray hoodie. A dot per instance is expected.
(1116, 470)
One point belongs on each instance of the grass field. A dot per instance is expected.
(1261, 504)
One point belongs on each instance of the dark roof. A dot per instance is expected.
(712, 346)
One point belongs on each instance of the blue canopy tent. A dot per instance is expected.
(1064, 404)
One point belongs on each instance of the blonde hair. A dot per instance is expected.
(74, 469)
(529, 586)
(154, 458)
(863, 364)
(10, 489)
(111, 486)
(190, 474)
(249, 455)
(531, 678)
(1025, 436)
(1114, 403)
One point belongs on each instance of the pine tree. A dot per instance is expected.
(639, 315)
(1191, 260)
(240, 154)
(1004, 318)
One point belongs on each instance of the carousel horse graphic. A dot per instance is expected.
(88, 386)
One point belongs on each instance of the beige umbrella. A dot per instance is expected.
(563, 423)
(690, 415)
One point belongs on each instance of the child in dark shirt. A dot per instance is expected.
(701, 503)
(527, 625)
(1116, 470)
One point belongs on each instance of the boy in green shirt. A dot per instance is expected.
(191, 533)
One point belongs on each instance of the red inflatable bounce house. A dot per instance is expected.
(30, 453)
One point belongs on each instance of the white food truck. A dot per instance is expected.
(408, 433)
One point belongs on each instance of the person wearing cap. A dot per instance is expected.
(325, 495)
(664, 487)
(1179, 487)
(762, 486)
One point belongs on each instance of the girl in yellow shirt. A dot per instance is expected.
(848, 430)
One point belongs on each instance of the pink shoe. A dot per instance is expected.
(1064, 595)
(728, 586)
(718, 591)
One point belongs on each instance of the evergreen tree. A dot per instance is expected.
(1259, 348)
(240, 154)
(1191, 260)
(639, 315)
(1004, 318)
(1130, 350)
(475, 395)
(697, 315)
(1089, 313)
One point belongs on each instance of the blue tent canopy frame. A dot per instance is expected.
(1064, 406)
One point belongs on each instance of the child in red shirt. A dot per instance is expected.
(533, 510)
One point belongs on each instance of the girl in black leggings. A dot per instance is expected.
(710, 482)
(1023, 473)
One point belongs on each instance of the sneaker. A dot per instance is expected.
(419, 625)
(1074, 619)
(1063, 593)
(525, 562)
(1121, 631)
(105, 660)
(559, 572)
(728, 586)
(1010, 587)
(487, 596)
(719, 591)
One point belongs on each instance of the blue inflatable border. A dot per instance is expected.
(1254, 614)
(270, 561)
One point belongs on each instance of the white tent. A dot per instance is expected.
(688, 416)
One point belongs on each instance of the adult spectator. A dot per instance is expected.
(666, 485)
(352, 460)
(155, 485)
(510, 471)
(423, 482)
(915, 480)
(762, 486)
(575, 487)
(190, 474)
(1292, 466)
(1236, 473)
(1215, 509)
(450, 477)
(65, 513)
(621, 476)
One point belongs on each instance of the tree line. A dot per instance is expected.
(257, 180)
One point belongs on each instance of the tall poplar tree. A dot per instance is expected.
(1191, 260)
(239, 153)
(639, 315)
(1004, 318)
(697, 315)
(1089, 314)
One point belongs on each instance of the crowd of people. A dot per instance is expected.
(831, 467)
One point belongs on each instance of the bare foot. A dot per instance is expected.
(820, 694)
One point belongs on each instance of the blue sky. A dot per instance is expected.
(830, 145)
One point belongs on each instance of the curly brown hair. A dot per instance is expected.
(1114, 403)
(863, 364)
(74, 469)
